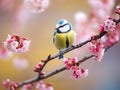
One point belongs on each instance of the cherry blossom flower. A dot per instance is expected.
(10, 85)
(79, 73)
(96, 48)
(17, 44)
(110, 38)
(49, 87)
(42, 86)
(27, 87)
(69, 62)
(6, 83)
(118, 10)
(36, 6)
(109, 24)
(20, 63)
(112, 34)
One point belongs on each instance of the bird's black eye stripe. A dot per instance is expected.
(63, 25)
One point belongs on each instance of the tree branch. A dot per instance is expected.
(49, 58)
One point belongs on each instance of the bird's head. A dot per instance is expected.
(63, 26)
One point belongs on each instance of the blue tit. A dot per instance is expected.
(64, 36)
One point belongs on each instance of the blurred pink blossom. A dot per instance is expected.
(9, 85)
(102, 8)
(118, 10)
(42, 86)
(7, 4)
(17, 44)
(49, 87)
(79, 73)
(20, 63)
(5, 54)
(27, 87)
(80, 17)
(6, 83)
(82, 27)
(19, 19)
(36, 6)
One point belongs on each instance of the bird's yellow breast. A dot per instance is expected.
(64, 40)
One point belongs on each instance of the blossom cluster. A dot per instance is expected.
(38, 86)
(36, 6)
(118, 10)
(17, 44)
(112, 34)
(10, 85)
(101, 8)
(77, 71)
(96, 48)
(42, 86)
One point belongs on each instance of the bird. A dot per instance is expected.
(64, 36)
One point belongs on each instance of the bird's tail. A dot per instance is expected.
(60, 55)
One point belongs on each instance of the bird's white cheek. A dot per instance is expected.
(65, 28)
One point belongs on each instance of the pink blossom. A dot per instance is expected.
(6, 83)
(110, 38)
(70, 61)
(27, 87)
(37, 67)
(36, 6)
(19, 19)
(17, 44)
(102, 8)
(49, 87)
(99, 55)
(96, 48)
(118, 10)
(79, 73)
(5, 54)
(20, 63)
(9, 85)
(80, 17)
(109, 25)
(42, 86)
(82, 27)
(7, 4)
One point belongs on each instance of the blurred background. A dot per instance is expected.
(39, 28)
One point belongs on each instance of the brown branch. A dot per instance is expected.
(41, 77)
(80, 61)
